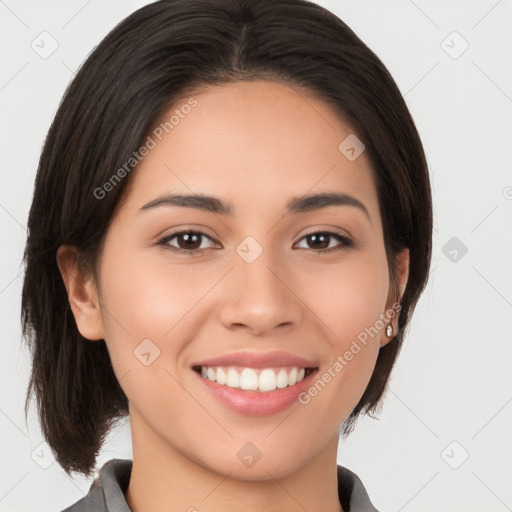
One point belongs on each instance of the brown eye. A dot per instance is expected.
(187, 241)
(321, 240)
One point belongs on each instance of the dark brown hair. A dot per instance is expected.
(126, 84)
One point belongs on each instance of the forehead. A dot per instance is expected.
(255, 143)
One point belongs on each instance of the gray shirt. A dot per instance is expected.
(107, 492)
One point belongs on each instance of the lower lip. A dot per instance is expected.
(257, 403)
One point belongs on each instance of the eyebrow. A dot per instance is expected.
(295, 205)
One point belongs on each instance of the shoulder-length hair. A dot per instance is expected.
(125, 85)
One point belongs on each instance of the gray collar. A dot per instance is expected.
(106, 493)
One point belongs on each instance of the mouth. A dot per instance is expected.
(262, 380)
(255, 384)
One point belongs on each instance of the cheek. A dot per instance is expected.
(348, 298)
(149, 307)
(145, 299)
(349, 302)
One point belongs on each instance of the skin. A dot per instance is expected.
(255, 145)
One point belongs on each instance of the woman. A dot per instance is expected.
(231, 227)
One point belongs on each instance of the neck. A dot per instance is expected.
(163, 479)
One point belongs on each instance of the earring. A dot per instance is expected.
(389, 331)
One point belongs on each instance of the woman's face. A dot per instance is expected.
(256, 281)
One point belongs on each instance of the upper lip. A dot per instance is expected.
(257, 360)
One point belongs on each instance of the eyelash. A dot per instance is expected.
(346, 243)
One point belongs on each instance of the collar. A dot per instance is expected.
(107, 492)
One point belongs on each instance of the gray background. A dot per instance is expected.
(441, 442)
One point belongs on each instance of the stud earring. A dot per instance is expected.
(389, 331)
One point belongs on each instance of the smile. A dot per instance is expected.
(254, 379)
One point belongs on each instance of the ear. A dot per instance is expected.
(395, 295)
(82, 294)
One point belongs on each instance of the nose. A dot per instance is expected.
(258, 297)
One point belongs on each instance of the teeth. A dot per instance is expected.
(249, 379)
(221, 376)
(294, 376)
(232, 379)
(266, 379)
(283, 379)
